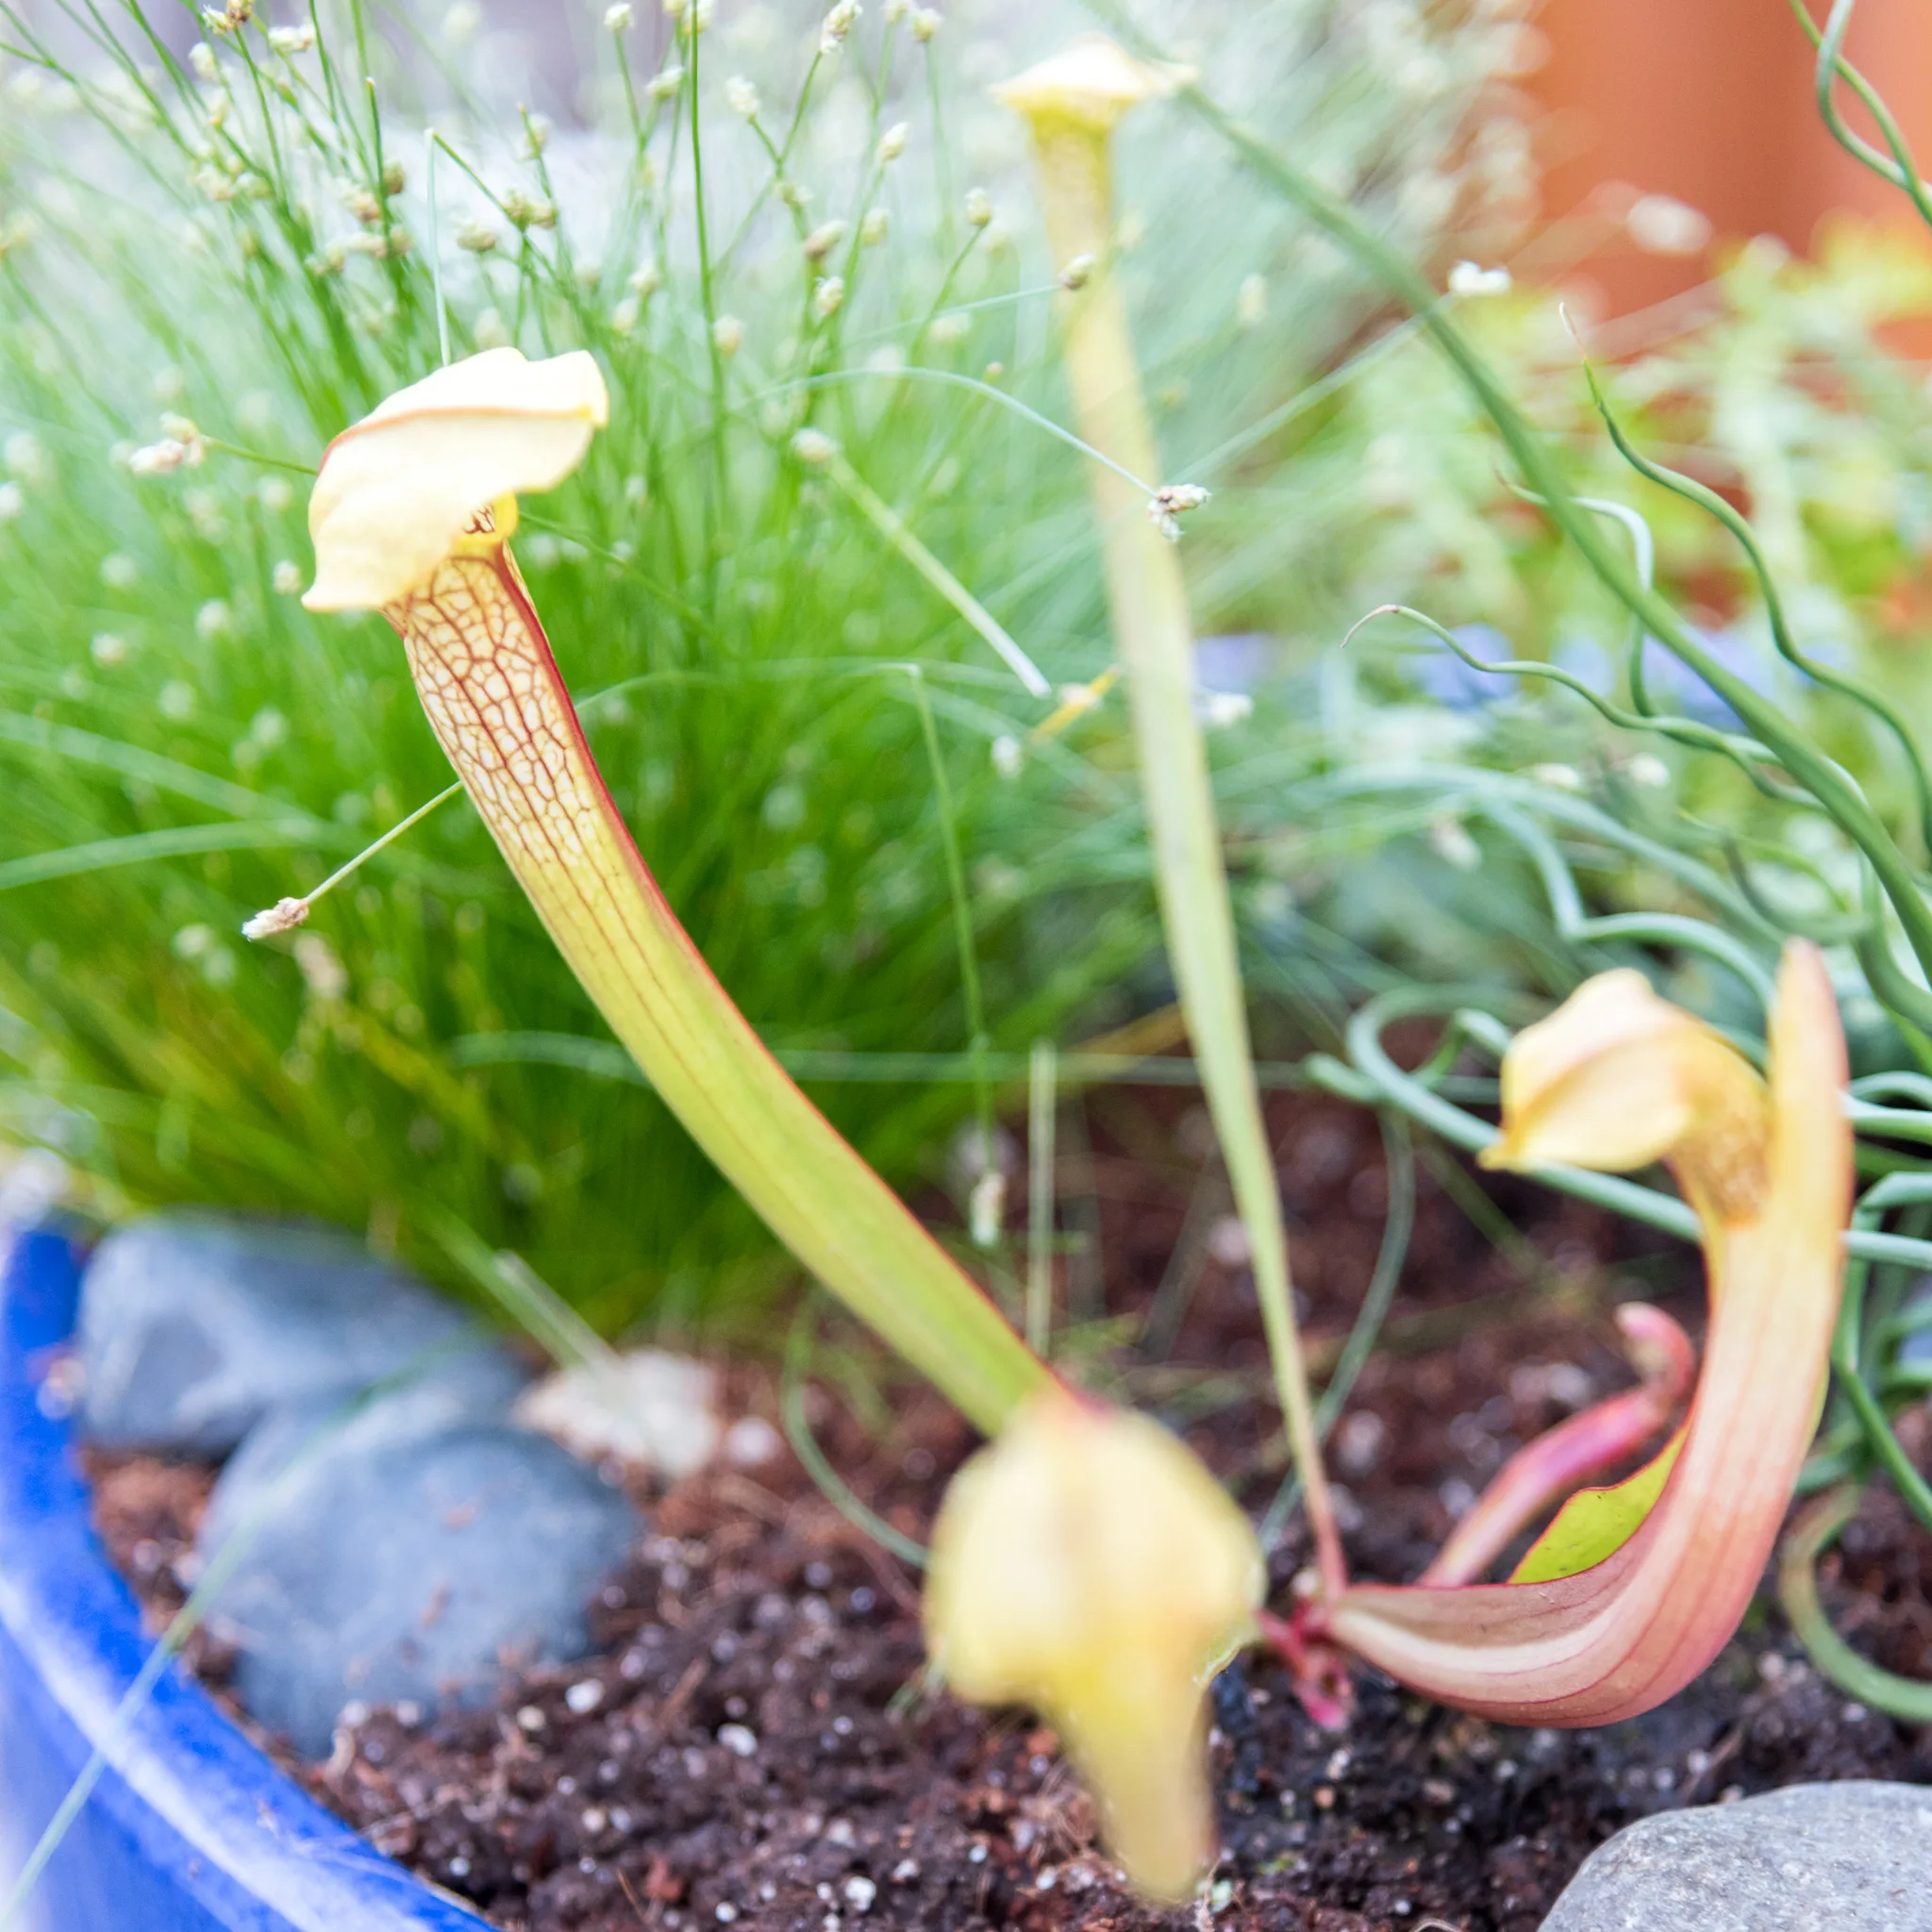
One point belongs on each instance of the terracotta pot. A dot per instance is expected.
(1711, 102)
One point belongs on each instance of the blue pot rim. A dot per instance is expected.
(196, 1811)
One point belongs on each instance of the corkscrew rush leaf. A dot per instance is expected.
(1834, 789)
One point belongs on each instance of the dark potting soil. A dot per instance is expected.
(754, 1744)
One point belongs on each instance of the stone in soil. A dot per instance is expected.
(475, 1381)
(1853, 1856)
(403, 1557)
(654, 1411)
(193, 1325)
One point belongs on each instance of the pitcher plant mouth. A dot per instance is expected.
(1088, 1565)
(400, 490)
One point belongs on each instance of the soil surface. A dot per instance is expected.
(754, 1744)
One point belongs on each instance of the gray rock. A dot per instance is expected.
(478, 1382)
(405, 1553)
(1834, 1858)
(193, 1325)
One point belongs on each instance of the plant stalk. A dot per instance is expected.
(493, 695)
(1147, 600)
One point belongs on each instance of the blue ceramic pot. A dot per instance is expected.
(190, 1829)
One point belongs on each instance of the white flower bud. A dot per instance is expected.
(479, 238)
(526, 211)
(838, 24)
(1167, 506)
(291, 39)
(828, 298)
(925, 23)
(287, 579)
(728, 333)
(823, 239)
(813, 447)
(660, 87)
(741, 97)
(875, 227)
(978, 206)
(229, 19)
(893, 142)
(617, 19)
(158, 458)
(285, 915)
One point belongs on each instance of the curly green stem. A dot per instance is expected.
(1834, 789)
(1816, 1528)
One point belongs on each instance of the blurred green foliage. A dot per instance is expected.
(236, 238)
(239, 238)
